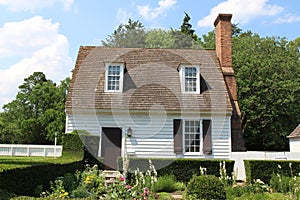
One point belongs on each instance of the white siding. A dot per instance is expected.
(152, 137)
(221, 137)
(294, 144)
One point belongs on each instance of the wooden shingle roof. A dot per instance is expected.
(295, 133)
(151, 79)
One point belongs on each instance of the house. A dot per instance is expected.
(165, 103)
(294, 139)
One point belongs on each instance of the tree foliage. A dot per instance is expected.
(268, 74)
(131, 34)
(36, 113)
(186, 27)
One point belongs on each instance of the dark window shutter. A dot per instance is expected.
(177, 133)
(207, 144)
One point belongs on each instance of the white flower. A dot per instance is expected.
(259, 181)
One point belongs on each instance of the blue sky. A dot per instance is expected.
(45, 35)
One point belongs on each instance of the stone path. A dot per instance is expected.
(176, 196)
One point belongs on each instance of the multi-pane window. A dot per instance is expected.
(114, 78)
(190, 79)
(192, 136)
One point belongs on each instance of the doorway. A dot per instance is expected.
(111, 140)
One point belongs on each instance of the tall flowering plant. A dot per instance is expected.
(91, 184)
(140, 187)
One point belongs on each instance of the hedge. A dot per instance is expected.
(264, 169)
(72, 142)
(183, 168)
(24, 181)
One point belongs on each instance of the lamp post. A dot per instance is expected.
(55, 141)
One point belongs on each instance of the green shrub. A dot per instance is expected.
(262, 196)
(257, 187)
(183, 169)
(233, 192)
(282, 184)
(263, 169)
(164, 196)
(165, 184)
(72, 142)
(6, 195)
(24, 181)
(205, 187)
(180, 186)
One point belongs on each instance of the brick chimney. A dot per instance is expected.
(224, 53)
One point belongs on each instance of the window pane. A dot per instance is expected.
(114, 76)
(190, 79)
(192, 136)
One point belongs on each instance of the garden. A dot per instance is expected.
(78, 175)
(91, 182)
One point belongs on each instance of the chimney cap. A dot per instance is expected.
(222, 17)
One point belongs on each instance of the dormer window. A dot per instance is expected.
(114, 77)
(190, 78)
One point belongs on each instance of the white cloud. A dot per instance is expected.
(288, 18)
(243, 11)
(152, 13)
(33, 5)
(41, 48)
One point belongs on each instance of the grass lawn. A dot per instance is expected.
(12, 162)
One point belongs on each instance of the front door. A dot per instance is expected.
(111, 147)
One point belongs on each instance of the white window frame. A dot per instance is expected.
(182, 78)
(200, 137)
(107, 65)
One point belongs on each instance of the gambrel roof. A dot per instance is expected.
(295, 133)
(151, 80)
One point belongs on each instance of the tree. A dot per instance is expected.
(268, 74)
(208, 41)
(36, 113)
(186, 27)
(158, 38)
(131, 34)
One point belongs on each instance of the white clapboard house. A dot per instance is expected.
(157, 103)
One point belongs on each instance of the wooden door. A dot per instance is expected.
(111, 147)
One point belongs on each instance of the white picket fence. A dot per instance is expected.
(239, 157)
(30, 150)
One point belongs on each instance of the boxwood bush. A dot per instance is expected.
(183, 168)
(72, 142)
(205, 187)
(25, 181)
(264, 169)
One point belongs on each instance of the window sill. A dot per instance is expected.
(113, 91)
(193, 154)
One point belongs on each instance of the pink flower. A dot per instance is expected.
(122, 178)
(146, 191)
(128, 186)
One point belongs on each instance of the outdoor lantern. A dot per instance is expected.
(129, 132)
